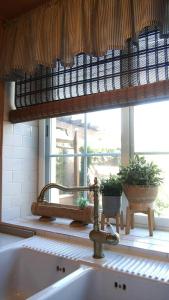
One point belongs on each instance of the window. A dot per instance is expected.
(151, 124)
(83, 146)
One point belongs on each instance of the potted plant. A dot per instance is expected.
(140, 181)
(82, 202)
(111, 190)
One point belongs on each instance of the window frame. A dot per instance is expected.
(127, 152)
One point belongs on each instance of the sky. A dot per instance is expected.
(151, 124)
(151, 127)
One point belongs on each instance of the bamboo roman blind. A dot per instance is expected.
(121, 77)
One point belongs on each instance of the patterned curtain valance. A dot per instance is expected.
(60, 29)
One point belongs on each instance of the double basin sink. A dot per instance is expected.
(35, 275)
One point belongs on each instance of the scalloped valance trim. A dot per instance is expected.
(60, 29)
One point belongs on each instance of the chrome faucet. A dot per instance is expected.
(100, 237)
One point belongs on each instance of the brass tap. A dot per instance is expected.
(100, 237)
(47, 187)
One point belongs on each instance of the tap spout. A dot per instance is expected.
(104, 237)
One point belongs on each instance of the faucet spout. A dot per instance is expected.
(104, 237)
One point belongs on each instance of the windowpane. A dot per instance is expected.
(62, 172)
(82, 147)
(103, 166)
(67, 134)
(151, 123)
(104, 131)
(161, 205)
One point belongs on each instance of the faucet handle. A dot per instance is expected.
(109, 228)
(112, 237)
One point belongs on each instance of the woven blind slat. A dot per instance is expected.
(158, 91)
(96, 83)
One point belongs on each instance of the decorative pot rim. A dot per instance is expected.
(140, 186)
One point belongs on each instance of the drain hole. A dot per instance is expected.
(120, 286)
(57, 268)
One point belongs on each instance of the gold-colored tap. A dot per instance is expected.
(100, 237)
(47, 187)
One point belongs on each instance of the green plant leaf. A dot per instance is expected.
(82, 202)
(140, 172)
(111, 186)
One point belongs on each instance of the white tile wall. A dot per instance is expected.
(20, 164)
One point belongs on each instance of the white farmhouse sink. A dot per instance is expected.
(24, 272)
(99, 284)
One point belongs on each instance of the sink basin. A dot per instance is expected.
(92, 284)
(25, 272)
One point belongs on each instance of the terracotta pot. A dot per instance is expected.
(142, 196)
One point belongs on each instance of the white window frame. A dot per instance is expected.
(53, 193)
(41, 156)
(127, 151)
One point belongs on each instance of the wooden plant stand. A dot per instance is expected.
(119, 221)
(139, 208)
